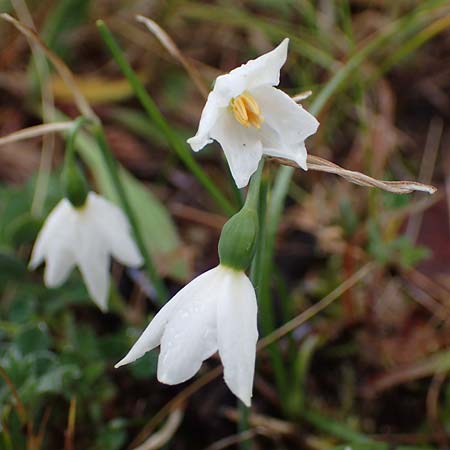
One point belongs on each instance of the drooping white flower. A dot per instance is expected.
(250, 118)
(87, 237)
(215, 311)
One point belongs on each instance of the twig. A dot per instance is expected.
(39, 438)
(195, 215)
(233, 439)
(70, 431)
(301, 96)
(267, 423)
(434, 364)
(47, 100)
(37, 130)
(169, 44)
(19, 405)
(174, 403)
(447, 187)
(60, 66)
(427, 166)
(163, 436)
(323, 165)
(316, 308)
(433, 407)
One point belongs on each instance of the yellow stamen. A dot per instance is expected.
(246, 110)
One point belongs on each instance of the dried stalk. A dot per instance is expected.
(233, 439)
(21, 411)
(60, 66)
(163, 436)
(301, 96)
(48, 110)
(37, 130)
(169, 44)
(323, 165)
(427, 166)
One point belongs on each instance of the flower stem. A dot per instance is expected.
(262, 285)
(243, 426)
(75, 184)
(178, 146)
(158, 283)
(69, 157)
(252, 199)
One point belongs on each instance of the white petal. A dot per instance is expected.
(295, 153)
(151, 337)
(215, 106)
(262, 71)
(289, 120)
(113, 224)
(54, 226)
(59, 264)
(190, 334)
(241, 145)
(93, 259)
(237, 334)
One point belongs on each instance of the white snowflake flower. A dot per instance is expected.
(250, 118)
(87, 237)
(215, 311)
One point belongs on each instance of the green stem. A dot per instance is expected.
(257, 199)
(243, 426)
(155, 115)
(252, 199)
(69, 157)
(161, 290)
(264, 287)
(255, 271)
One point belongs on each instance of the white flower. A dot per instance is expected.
(215, 311)
(86, 237)
(250, 118)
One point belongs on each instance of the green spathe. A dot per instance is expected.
(75, 185)
(237, 241)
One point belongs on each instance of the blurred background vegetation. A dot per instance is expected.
(367, 372)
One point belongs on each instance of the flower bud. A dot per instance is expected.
(237, 241)
(75, 185)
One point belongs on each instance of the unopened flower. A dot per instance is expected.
(85, 236)
(250, 118)
(215, 311)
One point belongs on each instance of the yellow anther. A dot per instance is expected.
(246, 110)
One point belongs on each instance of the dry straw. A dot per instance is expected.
(323, 165)
(60, 66)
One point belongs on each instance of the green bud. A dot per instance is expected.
(237, 241)
(75, 185)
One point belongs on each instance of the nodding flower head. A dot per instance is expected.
(86, 236)
(215, 312)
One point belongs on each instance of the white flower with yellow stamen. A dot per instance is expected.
(250, 118)
(86, 236)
